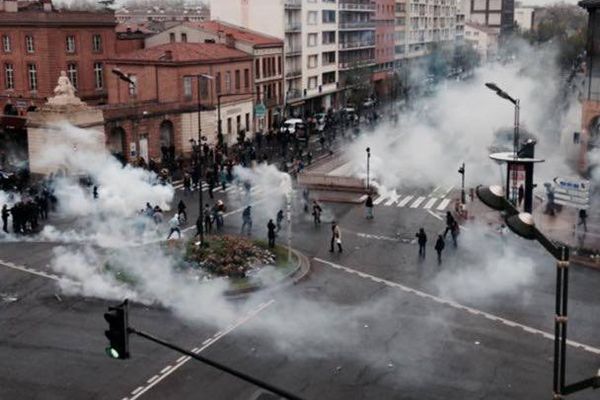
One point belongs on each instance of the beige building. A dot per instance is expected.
(483, 39)
(524, 17)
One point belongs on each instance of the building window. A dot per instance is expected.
(329, 37)
(218, 83)
(246, 78)
(204, 88)
(32, 75)
(70, 44)
(311, 40)
(257, 68)
(9, 76)
(311, 18)
(6, 43)
(312, 82)
(264, 68)
(228, 82)
(99, 75)
(187, 88)
(97, 43)
(29, 45)
(72, 74)
(248, 121)
(312, 61)
(328, 77)
(184, 37)
(328, 57)
(229, 125)
(172, 37)
(328, 16)
(238, 84)
(238, 124)
(279, 65)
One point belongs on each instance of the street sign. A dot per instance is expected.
(572, 192)
(260, 110)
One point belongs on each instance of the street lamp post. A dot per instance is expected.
(516, 102)
(523, 225)
(461, 171)
(368, 168)
(198, 154)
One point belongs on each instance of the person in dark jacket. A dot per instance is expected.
(450, 221)
(439, 247)
(422, 240)
(5, 214)
(271, 233)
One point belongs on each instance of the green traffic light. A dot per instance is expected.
(112, 352)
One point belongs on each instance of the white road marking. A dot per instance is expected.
(379, 200)
(392, 200)
(29, 270)
(417, 202)
(462, 307)
(165, 372)
(430, 203)
(180, 359)
(435, 215)
(155, 377)
(434, 191)
(442, 206)
(363, 197)
(448, 191)
(405, 201)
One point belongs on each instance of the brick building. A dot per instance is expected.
(384, 46)
(267, 53)
(38, 41)
(159, 114)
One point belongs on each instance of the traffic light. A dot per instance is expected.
(461, 170)
(117, 332)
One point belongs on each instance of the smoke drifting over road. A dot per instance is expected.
(457, 123)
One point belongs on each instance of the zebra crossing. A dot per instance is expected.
(412, 201)
(219, 189)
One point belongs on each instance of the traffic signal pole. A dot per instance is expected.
(118, 335)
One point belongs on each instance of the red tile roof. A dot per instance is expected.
(132, 27)
(257, 39)
(184, 53)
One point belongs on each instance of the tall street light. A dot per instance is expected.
(200, 77)
(461, 171)
(523, 225)
(501, 93)
(368, 168)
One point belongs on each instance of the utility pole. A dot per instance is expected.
(368, 168)
(461, 171)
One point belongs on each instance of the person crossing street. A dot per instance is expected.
(271, 233)
(422, 241)
(247, 220)
(439, 247)
(336, 237)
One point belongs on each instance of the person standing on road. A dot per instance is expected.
(279, 219)
(207, 218)
(336, 237)
(439, 247)
(247, 220)
(5, 214)
(181, 210)
(450, 221)
(583, 219)
(316, 213)
(454, 232)
(369, 206)
(187, 184)
(174, 226)
(521, 194)
(422, 240)
(271, 233)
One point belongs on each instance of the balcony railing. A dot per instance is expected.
(357, 25)
(356, 45)
(356, 64)
(293, 51)
(293, 73)
(293, 27)
(350, 6)
(293, 94)
(293, 4)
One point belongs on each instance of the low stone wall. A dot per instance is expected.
(331, 182)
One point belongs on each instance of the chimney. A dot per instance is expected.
(47, 5)
(11, 6)
(229, 40)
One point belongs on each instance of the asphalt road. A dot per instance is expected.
(373, 322)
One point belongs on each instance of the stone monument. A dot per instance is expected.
(48, 129)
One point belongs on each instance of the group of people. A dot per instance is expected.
(452, 227)
(27, 213)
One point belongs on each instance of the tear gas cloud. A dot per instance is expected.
(459, 121)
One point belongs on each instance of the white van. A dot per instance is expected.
(291, 125)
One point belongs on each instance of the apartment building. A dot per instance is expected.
(429, 22)
(324, 41)
(384, 46)
(496, 14)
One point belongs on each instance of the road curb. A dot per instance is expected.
(298, 274)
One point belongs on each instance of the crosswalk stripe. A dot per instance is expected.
(363, 197)
(379, 200)
(417, 202)
(430, 203)
(392, 200)
(405, 201)
(443, 204)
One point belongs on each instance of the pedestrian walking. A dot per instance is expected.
(157, 215)
(174, 226)
(247, 220)
(207, 219)
(369, 206)
(279, 219)
(454, 232)
(271, 233)
(450, 221)
(95, 192)
(422, 240)
(5, 214)
(521, 194)
(583, 219)
(187, 184)
(316, 213)
(439, 247)
(336, 237)
(181, 213)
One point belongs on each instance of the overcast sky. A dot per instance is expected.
(545, 2)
